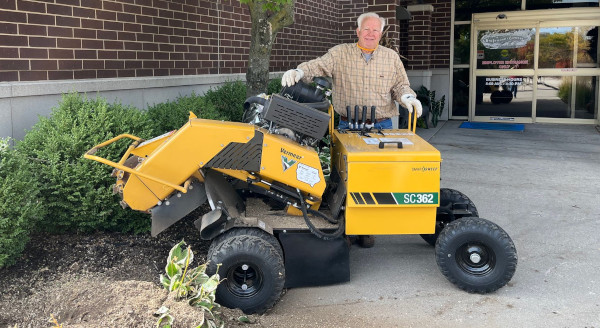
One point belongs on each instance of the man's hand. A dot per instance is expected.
(290, 77)
(409, 101)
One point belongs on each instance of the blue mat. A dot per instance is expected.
(493, 126)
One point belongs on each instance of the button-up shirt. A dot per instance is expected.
(358, 81)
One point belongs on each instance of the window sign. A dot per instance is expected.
(505, 49)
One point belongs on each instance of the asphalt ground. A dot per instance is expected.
(542, 186)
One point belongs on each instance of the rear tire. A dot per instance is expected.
(476, 255)
(252, 269)
(450, 200)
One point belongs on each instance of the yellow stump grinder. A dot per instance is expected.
(277, 221)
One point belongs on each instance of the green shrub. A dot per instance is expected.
(172, 115)
(76, 192)
(274, 86)
(20, 208)
(228, 100)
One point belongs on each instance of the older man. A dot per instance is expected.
(364, 74)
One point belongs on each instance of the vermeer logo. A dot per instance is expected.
(424, 169)
(287, 163)
(288, 159)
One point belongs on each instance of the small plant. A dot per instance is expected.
(436, 107)
(191, 285)
(53, 321)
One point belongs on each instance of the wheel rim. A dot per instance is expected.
(244, 280)
(476, 259)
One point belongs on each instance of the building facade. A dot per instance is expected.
(142, 52)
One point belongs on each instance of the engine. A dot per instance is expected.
(298, 112)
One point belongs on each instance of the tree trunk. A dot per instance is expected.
(265, 25)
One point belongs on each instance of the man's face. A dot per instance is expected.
(369, 33)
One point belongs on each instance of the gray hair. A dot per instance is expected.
(362, 17)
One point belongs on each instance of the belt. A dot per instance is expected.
(381, 119)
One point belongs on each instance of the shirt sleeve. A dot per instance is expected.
(401, 85)
(322, 66)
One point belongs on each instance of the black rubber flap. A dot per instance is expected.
(310, 261)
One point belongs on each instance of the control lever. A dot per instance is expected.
(364, 118)
(356, 116)
(349, 117)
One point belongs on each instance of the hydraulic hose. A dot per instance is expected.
(314, 230)
(254, 100)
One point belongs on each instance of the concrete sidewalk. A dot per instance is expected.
(541, 185)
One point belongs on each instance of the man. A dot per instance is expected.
(364, 74)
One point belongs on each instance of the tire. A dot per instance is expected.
(366, 241)
(450, 200)
(247, 231)
(476, 255)
(252, 269)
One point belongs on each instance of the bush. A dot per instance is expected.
(274, 86)
(20, 208)
(172, 115)
(228, 100)
(75, 192)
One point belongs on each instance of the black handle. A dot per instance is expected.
(372, 114)
(348, 114)
(356, 115)
(364, 115)
(382, 143)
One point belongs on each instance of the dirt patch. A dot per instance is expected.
(98, 280)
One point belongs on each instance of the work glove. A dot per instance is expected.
(290, 77)
(409, 101)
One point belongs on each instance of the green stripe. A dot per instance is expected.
(416, 198)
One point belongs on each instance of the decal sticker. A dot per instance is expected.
(307, 174)
(395, 198)
(287, 163)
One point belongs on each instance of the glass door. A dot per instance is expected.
(536, 66)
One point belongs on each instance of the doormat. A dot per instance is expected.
(493, 126)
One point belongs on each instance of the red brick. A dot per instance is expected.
(84, 74)
(160, 4)
(40, 19)
(107, 35)
(84, 33)
(143, 19)
(42, 42)
(113, 6)
(69, 2)
(113, 44)
(126, 55)
(132, 9)
(114, 64)
(8, 28)
(8, 4)
(13, 64)
(68, 21)
(69, 64)
(60, 31)
(129, 64)
(114, 26)
(161, 55)
(126, 36)
(93, 64)
(84, 13)
(104, 74)
(60, 53)
(91, 23)
(9, 52)
(31, 6)
(161, 72)
(68, 43)
(85, 54)
(123, 17)
(144, 55)
(92, 44)
(143, 72)
(165, 13)
(9, 76)
(60, 10)
(126, 73)
(92, 3)
(27, 53)
(132, 27)
(106, 15)
(107, 54)
(33, 75)
(60, 75)
(149, 11)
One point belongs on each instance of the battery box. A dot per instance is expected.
(392, 179)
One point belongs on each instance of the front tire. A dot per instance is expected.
(453, 205)
(476, 255)
(253, 270)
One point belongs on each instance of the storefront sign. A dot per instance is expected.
(506, 40)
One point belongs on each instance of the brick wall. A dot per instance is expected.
(83, 39)
(441, 31)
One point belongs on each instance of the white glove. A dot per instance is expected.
(290, 77)
(409, 101)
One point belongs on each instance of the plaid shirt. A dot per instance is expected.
(357, 82)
